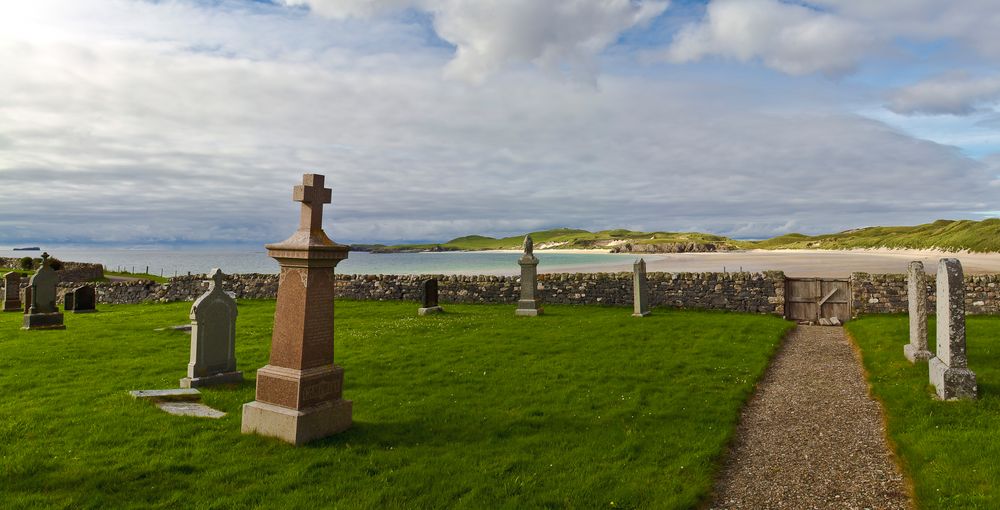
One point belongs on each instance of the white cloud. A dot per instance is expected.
(492, 34)
(787, 37)
(954, 94)
(174, 122)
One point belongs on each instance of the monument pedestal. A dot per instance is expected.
(429, 310)
(914, 354)
(297, 426)
(952, 383)
(528, 308)
(212, 380)
(641, 314)
(43, 321)
(12, 305)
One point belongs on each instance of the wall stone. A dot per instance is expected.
(886, 293)
(70, 272)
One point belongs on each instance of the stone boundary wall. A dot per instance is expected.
(70, 272)
(739, 292)
(887, 293)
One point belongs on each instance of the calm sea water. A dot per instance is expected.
(199, 261)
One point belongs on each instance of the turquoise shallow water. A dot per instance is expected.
(198, 261)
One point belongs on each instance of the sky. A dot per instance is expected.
(186, 122)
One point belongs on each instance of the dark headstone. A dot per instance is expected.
(429, 297)
(12, 292)
(82, 299)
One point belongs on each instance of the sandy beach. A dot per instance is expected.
(798, 263)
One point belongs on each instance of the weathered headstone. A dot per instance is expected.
(82, 299)
(916, 299)
(529, 304)
(12, 292)
(640, 289)
(949, 368)
(300, 390)
(42, 312)
(213, 338)
(429, 297)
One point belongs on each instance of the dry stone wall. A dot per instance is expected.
(887, 293)
(741, 292)
(70, 272)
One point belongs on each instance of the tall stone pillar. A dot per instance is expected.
(916, 299)
(949, 369)
(528, 305)
(300, 390)
(640, 289)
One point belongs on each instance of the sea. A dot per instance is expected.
(179, 261)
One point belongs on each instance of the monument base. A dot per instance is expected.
(430, 310)
(528, 308)
(11, 305)
(84, 311)
(641, 314)
(43, 321)
(212, 380)
(952, 383)
(297, 426)
(914, 355)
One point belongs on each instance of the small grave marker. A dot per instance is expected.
(213, 337)
(429, 297)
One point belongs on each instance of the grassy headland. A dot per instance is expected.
(583, 407)
(947, 235)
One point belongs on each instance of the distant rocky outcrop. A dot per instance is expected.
(670, 247)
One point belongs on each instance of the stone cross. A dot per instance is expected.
(916, 299)
(12, 292)
(300, 390)
(313, 195)
(42, 310)
(429, 297)
(640, 290)
(82, 299)
(213, 337)
(949, 369)
(528, 305)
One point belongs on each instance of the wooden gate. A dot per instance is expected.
(812, 299)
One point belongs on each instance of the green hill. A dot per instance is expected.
(947, 235)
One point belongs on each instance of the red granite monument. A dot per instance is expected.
(300, 390)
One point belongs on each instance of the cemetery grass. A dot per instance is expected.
(474, 408)
(948, 449)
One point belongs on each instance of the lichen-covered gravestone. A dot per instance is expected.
(213, 338)
(82, 299)
(949, 369)
(429, 297)
(300, 392)
(916, 299)
(12, 292)
(640, 289)
(529, 304)
(42, 312)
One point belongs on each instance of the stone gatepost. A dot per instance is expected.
(42, 312)
(300, 390)
(916, 299)
(12, 292)
(640, 289)
(528, 305)
(949, 371)
(429, 297)
(213, 337)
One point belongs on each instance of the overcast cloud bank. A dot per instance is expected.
(138, 122)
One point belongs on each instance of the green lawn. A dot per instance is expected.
(584, 407)
(949, 449)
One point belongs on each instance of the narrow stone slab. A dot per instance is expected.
(189, 394)
(916, 299)
(196, 409)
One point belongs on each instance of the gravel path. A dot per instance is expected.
(812, 437)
